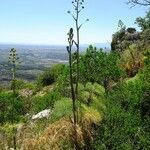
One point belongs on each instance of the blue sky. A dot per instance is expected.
(47, 21)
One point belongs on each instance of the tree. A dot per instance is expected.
(144, 23)
(118, 37)
(139, 2)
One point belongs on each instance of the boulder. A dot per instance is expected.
(43, 114)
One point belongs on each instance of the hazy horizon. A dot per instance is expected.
(47, 23)
(10, 45)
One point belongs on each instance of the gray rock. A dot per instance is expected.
(43, 114)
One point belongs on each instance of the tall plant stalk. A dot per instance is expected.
(69, 49)
(77, 45)
(78, 7)
(13, 60)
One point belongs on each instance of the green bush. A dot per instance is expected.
(50, 75)
(123, 126)
(93, 95)
(6, 107)
(119, 130)
(145, 78)
(99, 66)
(21, 84)
(44, 102)
(62, 108)
(63, 82)
(46, 78)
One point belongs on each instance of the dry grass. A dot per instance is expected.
(57, 136)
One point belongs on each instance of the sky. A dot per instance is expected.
(46, 22)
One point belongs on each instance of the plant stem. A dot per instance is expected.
(72, 87)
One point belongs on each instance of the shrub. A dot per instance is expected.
(101, 67)
(63, 82)
(46, 78)
(44, 102)
(93, 95)
(62, 108)
(50, 75)
(123, 127)
(6, 107)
